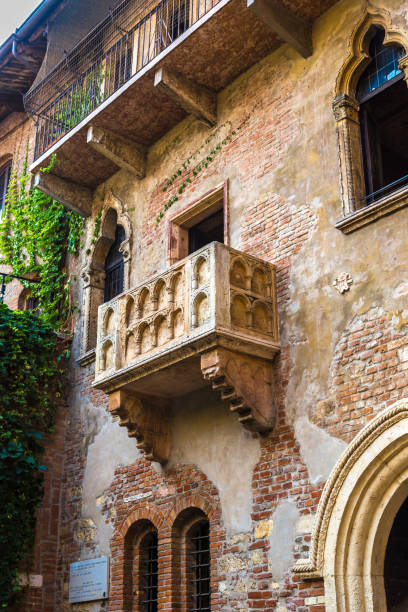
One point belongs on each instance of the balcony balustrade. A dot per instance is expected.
(139, 73)
(210, 319)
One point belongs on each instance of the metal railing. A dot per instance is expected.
(386, 190)
(128, 39)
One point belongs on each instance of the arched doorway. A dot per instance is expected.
(396, 563)
(354, 524)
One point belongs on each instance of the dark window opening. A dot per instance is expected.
(396, 563)
(148, 572)
(114, 267)
(4, 183)
(208, 230)
(32, 303)
(179, 20)
(383, 97)
(198, 567)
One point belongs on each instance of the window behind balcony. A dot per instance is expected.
(114, 267)
(383, 97)
(206, 231)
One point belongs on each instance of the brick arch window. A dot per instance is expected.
(5, 171)
(198, 566)
(370, 110)
(192, 561)
(141, 567)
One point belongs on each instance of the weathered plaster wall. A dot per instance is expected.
(343, 357)
(205, 434)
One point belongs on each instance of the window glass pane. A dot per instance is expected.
(383, 67)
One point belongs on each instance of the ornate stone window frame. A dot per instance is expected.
(358, 506)
(93, 273)
(193, 213)
(346, 114)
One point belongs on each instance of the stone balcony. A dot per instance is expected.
(210, 319)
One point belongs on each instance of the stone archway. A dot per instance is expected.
(367, 487)
(93, 274)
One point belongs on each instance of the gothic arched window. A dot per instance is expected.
(114, 267)
(383, 98)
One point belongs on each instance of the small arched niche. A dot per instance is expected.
(200, 310)
(240, 311)
(239, 274)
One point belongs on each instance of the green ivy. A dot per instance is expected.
(191, 168)
(29, 385)
(36, 233)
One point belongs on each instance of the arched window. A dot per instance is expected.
(4, 181)
(114, 267)
(383, 98)
(141, 567)
(148, 577)
(198, 566)
(191, 561)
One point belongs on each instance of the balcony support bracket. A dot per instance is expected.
(291, 28)
(195, 99)
(123, 152)
(146, 419)
(245, 383)
(75, 197)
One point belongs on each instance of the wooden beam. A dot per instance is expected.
(123, 152)
(195, 99)
(75, 197)
(291, 28)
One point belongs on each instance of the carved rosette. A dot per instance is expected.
(245, 383)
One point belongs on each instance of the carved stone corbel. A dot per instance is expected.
(245, 383)
(147, 420)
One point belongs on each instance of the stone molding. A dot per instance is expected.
(381, 442)
(345, 110)
(93, 273)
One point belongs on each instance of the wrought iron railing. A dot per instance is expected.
(385, 191)
(130, 37)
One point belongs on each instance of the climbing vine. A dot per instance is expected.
(36, 233)
(29, 386)
(196, 163)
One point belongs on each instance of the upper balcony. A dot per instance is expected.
(210, 319)
(142, 70)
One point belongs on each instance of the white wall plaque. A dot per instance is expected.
(88, 580)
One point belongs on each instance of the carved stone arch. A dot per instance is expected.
(240, 273)
(359, 57)
(93, 274)
(345, 105)
(240, 310)
(261, 316)
(360, 500)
